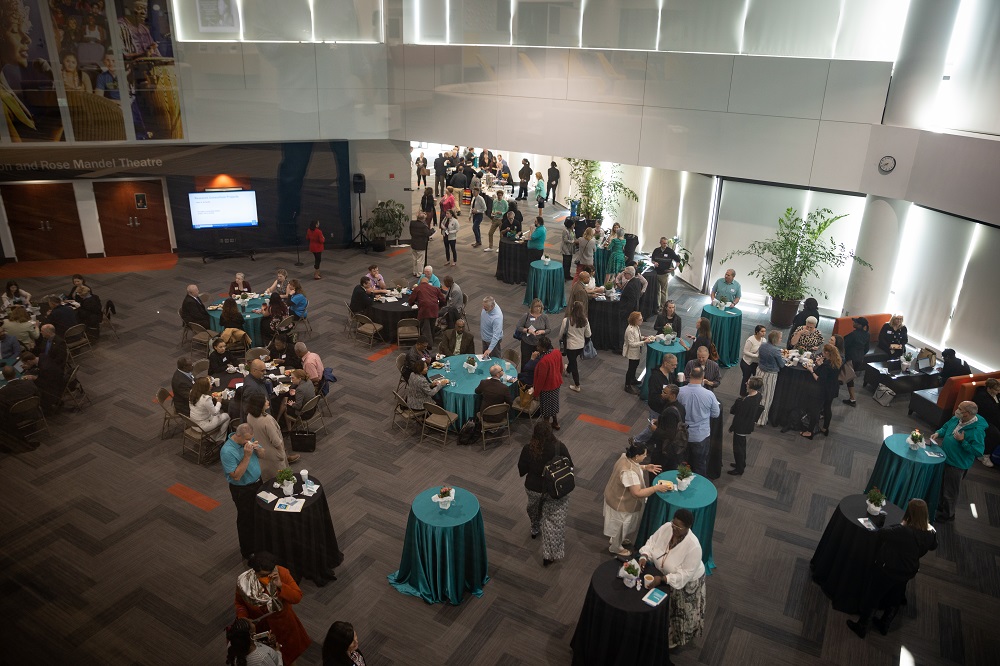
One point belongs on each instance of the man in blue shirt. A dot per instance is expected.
(700, 407)
(727, 288)
(491, 327)
(239, 461)
(10, 348)
(433, 279)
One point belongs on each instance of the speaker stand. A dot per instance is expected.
(360, 237)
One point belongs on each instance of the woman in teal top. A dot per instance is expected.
(616, 262)
(536, 242)
(540, 191)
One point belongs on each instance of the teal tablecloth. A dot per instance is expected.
(251, 320)
(902, 474)
(444, 551)
(700, 498)
(727, 326)
(601, 257)
(546, 283)
(460, 395)
(654, 356)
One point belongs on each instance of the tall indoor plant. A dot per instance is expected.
(792, 257)
(598, 195)
(385, 221)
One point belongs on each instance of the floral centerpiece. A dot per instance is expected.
(630, 572)
(470, 364)
(874, 500)
(904, 363)
(609, 285)
(444, 497)
(286, 479)
(684, 476)
(668, 334)
(546, 259)
(916, 440)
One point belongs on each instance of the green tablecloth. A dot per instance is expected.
(654, 356)
(700, 498)
(902, 474)
(444, 551)
(546, 283)
(727, 326)
(251, 320)
(601, 257)
(460, 395)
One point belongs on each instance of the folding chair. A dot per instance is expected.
(532, 411)
(302, 423)
(350, 323)
(255, 353)
(28, 413)
(407, 332)
(438, 419)
(185, 329)
(169, 413)
(76, 339)
(200, 336)
(400, 364)
(200, 368)
(73, 391)
(513, 356)
(495, 422)
(199, 441)
(368, 329)
(109, 310)
(403, 411)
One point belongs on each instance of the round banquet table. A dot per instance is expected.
(793, 387)
(545, 282)
(727, 326)
(444, 551)
(654, 356)
(647, 302)
(616, 627)
(512, 261)
(459, 396)
(390, 314)
(601, 256)
(902, 474)
(700, 498)
(251, 320)
(607, 331)
(843, 558)
(304, 542)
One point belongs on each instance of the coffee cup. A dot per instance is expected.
(680, 376)
(281, 369)
(304, 474)
(648, 580)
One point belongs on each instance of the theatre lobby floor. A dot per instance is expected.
(116, 550)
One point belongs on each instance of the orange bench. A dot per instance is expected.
(936, 405)
(844, 325)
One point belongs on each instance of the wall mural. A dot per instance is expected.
(27, 83)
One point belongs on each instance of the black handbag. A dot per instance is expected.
(304, 442)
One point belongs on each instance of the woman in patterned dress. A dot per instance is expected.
(547, 515)
(616, 259)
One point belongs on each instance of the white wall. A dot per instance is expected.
(388, 171)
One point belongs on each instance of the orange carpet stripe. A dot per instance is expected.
(382, 353)
(144, 262)
(192, 496)
(610, 425)
(398, 252)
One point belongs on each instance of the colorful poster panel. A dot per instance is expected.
(27, 86)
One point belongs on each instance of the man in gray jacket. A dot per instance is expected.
(420, 233)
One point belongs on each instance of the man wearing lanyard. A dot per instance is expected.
(239, 461)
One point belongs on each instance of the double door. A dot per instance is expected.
(133, 217)
(44, 221)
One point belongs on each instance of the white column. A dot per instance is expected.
(916, 75)
(878, 244)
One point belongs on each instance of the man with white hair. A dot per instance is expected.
(239, 461)
(433, 279)
(962, 440)
(193, 310)
(491, 327)
(493, 391)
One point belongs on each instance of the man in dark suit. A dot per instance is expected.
(493, 391)
(457, 338)
(181, 384)
(441, 164)
(89, 312)
(363, 296)
(420, 233)
(49, 377)
(15, 390)
(52, 347)
(193, 310)
(61, 315)
(523, 176)
(631, 293)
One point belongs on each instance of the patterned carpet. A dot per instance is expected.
(106, 560)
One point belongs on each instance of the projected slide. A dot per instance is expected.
(218, 210)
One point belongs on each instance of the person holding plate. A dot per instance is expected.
(625, 496)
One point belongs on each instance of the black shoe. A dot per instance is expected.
(858, 628)
(546, 563)
(785, 428)
(732, 464)
(883, 623)
(534, 535)
(852, 403)
(734, 472)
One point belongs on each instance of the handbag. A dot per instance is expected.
(518, 333)
(425, 171)
(304, 442)
(884, 395)
(589, 351)
(847, 373)
(713, 353)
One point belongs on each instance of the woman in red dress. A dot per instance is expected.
(265, 594)
(316, 241)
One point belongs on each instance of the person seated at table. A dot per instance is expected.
(820, 396)
(206, 412)
(231, 317)
(15, 390)
(280, 284)
(50, 378)
(433, 279)
(78, 281)
(10, 346)
(220, 359)
(710, 369)
(536, 240)
(892, 338)
(240, 641)
(953, 366)
(14, 295)
(527, 374)
(181, 384)
(275, 310)
(255, 384)
(770, 360)
(89, 313)
(269, 589)
(297, 301)
(987, 398)
(378, 282)
(239, 286)
(419, 389)
(19, 324)
(456, 341)
(727, 288)
(428, 300)
(62, 315)
(810, 308)
(510, 226)
(625, 496)
(493, 391)
(620, 279)
(193, 311)
(363, 296)
(311, 363)
(453, 302)
(302, 391)
(420, 351)
(282, 353)
(897, 551)
(676, 552)
(808, 337)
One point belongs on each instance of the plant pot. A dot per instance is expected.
(629, 580)
(682, 484)
(916, 445)
(783, 312)
(288, 487)
(378, 245)
(904, 366)
(872, 509)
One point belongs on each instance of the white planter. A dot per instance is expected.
(872, 509)
(469, 368)
(914, 446)
(682, 484)
(444, 502)
(546, 260)
(288, 487)
(629, 580)
(904, 366)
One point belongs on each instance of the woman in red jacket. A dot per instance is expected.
(316, 240)
(269, 590)
(548, 379)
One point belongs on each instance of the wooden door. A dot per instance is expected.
(44, 221)
(129, 228)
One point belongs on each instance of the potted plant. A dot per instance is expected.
(668, 334)
(906, 361)
(599, 193)
(609, 286)
(244, 298)
(789, 260)
(385, 221)
(874, 501)
(286, 479)
(546, 259)
(470, 364)
(684, 476)
(916, 440)
(682, 252)
(631, 573)
(444, 497)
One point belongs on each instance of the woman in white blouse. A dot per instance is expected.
(632, 350)
(676, 553)
(206, 412)
(748, 364)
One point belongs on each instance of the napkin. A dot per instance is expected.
(389, 299)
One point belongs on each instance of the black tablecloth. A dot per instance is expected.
(304, 542)
(888, 372)
(512, 262)
(616, 627)
(793, 389)
(843, 558)
(389, 315)
(607, 329)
